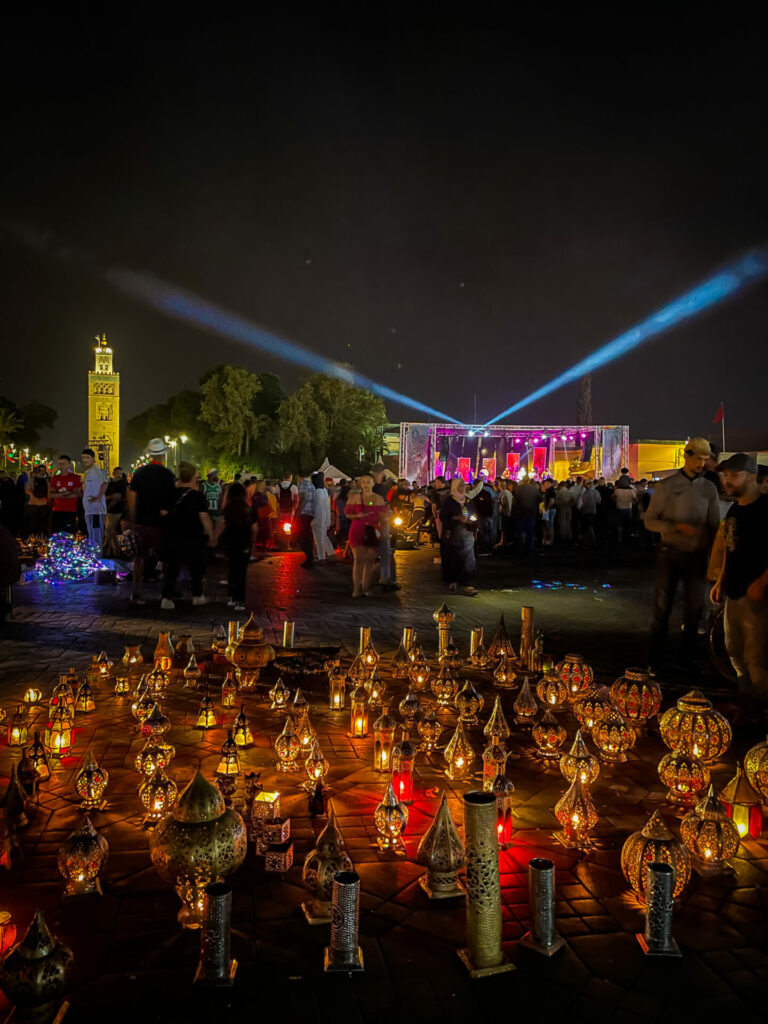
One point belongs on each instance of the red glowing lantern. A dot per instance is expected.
(403, 756)
(742, 804)
(287, 526)
(7, 932)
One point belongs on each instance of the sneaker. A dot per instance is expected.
(197, 601)
(166, 604)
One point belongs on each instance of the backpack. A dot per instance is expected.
(285, 499)
(483, 503)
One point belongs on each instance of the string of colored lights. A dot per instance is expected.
(68, 561)
(725, 284)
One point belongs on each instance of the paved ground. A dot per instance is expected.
(131, 954)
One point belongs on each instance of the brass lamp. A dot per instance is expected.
(501, 643)
(376, 688)
(316, 766)
(403, 759)
(122, 682)
(430, 730)
(411, 709)
(241, 729)
(494, 762)
(58, 735)
(287, 748)
(32, 695)
(39, 758)
(442, 851)
(420, 671)
(459, 755)
(445, 686)
(576, 674)
(577, 814)
(525, 707)
(62, 693)
(592, 707)
(654, 844)
(157, 795)
(229, 690)
(279, 696)
(743, 805)
(552, 692)
(191, 673)
(478, 653)
(145, 707)
(756, 768)
(229, 759)
(158, 680)
(80, 858)
(468, 704)
(709, 834)
(504, 674)
(206, 715)
(549, 736)
(503, 789)
(163, 656)
(370, 657)
(17, 728)
(104, 665)
(90, 784)
(637, 696)
(684, 775)
(156, 723)
(401, 662)
(358, 717)
(305, 733)
(497, 723)
(155, 753)
(579, 761)
(613, 737)
(451, 656)
(337, 688)
(694, 716)
(141, 691)
(390, 819)
(383, 738)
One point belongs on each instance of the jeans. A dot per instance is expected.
(95, 527)
(674, 567)
(191, 554)
(746, 640)
(386, 561)
(306, 539)
(525, 532)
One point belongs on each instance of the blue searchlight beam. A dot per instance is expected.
(726, 283)
(193, 310)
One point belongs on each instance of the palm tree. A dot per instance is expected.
(10, 424)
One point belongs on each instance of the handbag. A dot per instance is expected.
(371, 536)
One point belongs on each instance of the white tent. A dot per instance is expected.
(331, 471)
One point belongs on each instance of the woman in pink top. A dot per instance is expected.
(364, 509)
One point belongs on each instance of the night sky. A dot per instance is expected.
(452, 207)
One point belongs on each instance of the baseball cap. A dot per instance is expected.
(740, 463)
(211, 472)
(157, 446)
(698, 446)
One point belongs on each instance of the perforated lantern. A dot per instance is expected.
(39, 758)
(459, 755)
(552, 692)
(613, 737)
(451, 656)
(305, 733)
(403, 759)
(241, 729)
(93, 673)
(549, 736)
(576, 674)
(577, 814)
(163, 656)
(383, 739)
(503, 789)
(141, 691)
(420, 670)
(742, 805)
(504, 674)
(411, 709)
(501, 643)
(229, 690)
(469, 704)
(708, 832)
(80, 859)
(91, 782)
(337, 688)
(445, 686)
(192, 673)
(430, 730)
(497, 723)
(684, 774)
(287, 748)
(58, 735)
(390, 819)
(158, 680)
(494, 762)
(401, 662)
(654, 844)
(155, 753)
(229, 758)
(376, 688)
(104, 665)
(17, 728)
(157, 795)
(525, 707)
(62, 693)
(756, 768)
(370, 657)
(316, 766)
(144, 707)
(478, 653)
(32, 695)
(132, 655)
(694, 716)
(250, 653)
(358, 715)
(206, 715)
(592, 707)
(156, 723)
(637, 696)
(122, 682)
(579, 761)
(279, 696)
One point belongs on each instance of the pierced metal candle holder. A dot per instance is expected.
(343, 953)
(657, 939)
(542, 938)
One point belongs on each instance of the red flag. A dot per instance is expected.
(719, 415)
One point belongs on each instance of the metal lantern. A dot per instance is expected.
(132, 655)
(357, 670)
(316, 766)
(32, 695)
(13, 802)
(592, 707)
(156, 723)
(576, 675)
(206, 715)
(157, 795)
(300, 704)
(577, 814)
(370, 657)
(58, 735)
(613, 737)
(229, 759)
(122, 683)
(503, 789)
(504, 675)
(337, 689)
(552, 692)
(445, 686)
(525, 707)
(383, 738)
(17, 728)
(154, 754)
(442, 852)
(403, 759)
(80, 859)
(709, 834)
(241, 730)
(390, 819)
(411, 709)
(250, 653)
(468, 704)
(694, 716)
(36, 973)
(192, 673)
(494, 762)
(320, 867)
(497, 723)
(549, 736)
(501, 644)
(305, 733)
(219, 645)
(478, 654)
(684, 774)
(158, 680)
(7, 932)
(420, 671)
(401, 662)
(90, 784)
(637, 696)
(459, 755)
(742, 805)
(39, 758)
(29, 780)
(279, 696)
(579, 761)
(229, 690)
(141, 691)
(62, 693)
(376, 688)
(654, 844)
(430, 729)
(443, 617)
(104, 665)
(756, 768)
(163, 656)
(451, 656)
(287, 748)
(358, 716)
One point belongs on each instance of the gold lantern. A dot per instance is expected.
(358, 717)
(390, 819)
(613, 737)
(300, 704)
(383, 738)
(90, 784)
(549, 736)
(756, 768)
(494, 762)
(229, 690)
(229, 759)
(157, 795)
(185, 649)
(305, 733)
(158, 680)
(104, 665)
(370, 657)
(403, 759)
(58, 735)
(592, 707)
(200, 842)
(141, 691)
(39, 758)
(478, 653)
(401, 662)
(501, 643)
(250, 653)
(577, 814)
(80, 859)
(241, 729)
(579, 761)
(337, 688)
(503, 789)
(163, 656)
(504, 675)
(459, 755)
(684, 774)
(552, 692)
(132, 655)
(155, 753)
(13, 803)
(637, 696)
(279, 696)
(442, 852)
(430, 730)
(468, 704)
(376, 688)
(445, 686)
(122, 682)
(206, 715)
(62, 693)
(36, 973)
(420, 671)
(156, 723)
(576, 675)
(17, 728)
(357, 670)
(93, 673)
(320, 866)
(654, 844)
(709, 834)
(694, 716)
(497, 723)
(525, 707)
(32, 695)
(443, 617)
(219, 645)
(316, 766)
(742, 805)
(287, 748)
(191, 673)
(411, 710)
(144, 707)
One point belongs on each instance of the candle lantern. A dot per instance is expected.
(132, 655)
(552, 692)
(657, 939)
(141, 691)
(17, 728)
(577, 814)
(229, 759)
(219, 645)
(145, 707)
(613, 737)
(192, 673)
(403, 758)
(158, 680)
(451, 656)
(287, 748)
(576, 674)
(411, 709)
(504, 674)
(122, 682)
(156, 723)
(7, 932)
(420, 670)
(343, 953)
(497, 723)
(756, 768)
(459, 755)
(445, 686)
(305, 733)
(58, 735)
(29, 780)
(104, 665)
(163, 656)
(157, 795)
(365, 638)
(337, 689)
(36, 974)
(358, 718)
(637, 696)
(401, 662)
(32, 695)
(93, 672)
(468, 704)
(370, 656)
(357, 670)
(430, 730)
(229, 690)
(155, 753)
(316, 766)
(442, 852)
(478, 654)
(241, 729)
(709, 834)
(654, 844)
(592, 707)
(80, 858)
(62, 693)
(320, 867)
(503, 790)
(525, 707)
(206, 715)
(376, 688)
(684, 774)
(579, 761)
(549, 736)
(742, 805)
(39, 758)
(694, 716)
(494, 762)
(542, 938)
(390, 819)
(501, 643)
(279, 696)
(300, 704)
(383, 738)
(90, 784)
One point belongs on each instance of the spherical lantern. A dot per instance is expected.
(163, 655)
(241, 729)
(390, 819)
(430, 729)
(579, 761)
(525, 707)
(200, 842)
(90, 784)
(383, 739)
(80, 859)
(654, 844)
(358, 716)
(577, 814)
(35, 974)
(592, 707)
(153, 755)
(742, 805)
(229, 690)
(459, 755)
(17, 728)
(468, 704)
(576, 674)
(549, 736)
(157, 795)
(552, 692)
(684, 774)
(156, 723)
(694, 716)
(497, 723)
(445, 686)
(158, 680)
(613, 737)
(287, 748)
(708, 832)
(756, 768)
(206, 715)
(637, 696)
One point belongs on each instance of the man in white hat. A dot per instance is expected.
(151, 497)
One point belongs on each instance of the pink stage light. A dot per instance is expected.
(463, 468)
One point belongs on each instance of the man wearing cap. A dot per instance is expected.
(384, 489)
(151, 497)
(684, 510)
(743, 579)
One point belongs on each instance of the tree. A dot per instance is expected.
(36, 417)
(303, 432)
(227, 408)
(10, 424)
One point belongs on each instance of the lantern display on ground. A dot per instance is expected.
(743, 805)
(441, 851)
(32, 695)
(548, 735)
(157, 681)
(376, 687)
(501, 643)
(316, 766)
(637, 696)
(411, 709)
(163, 653)
(17, 728)
(206, 715)
(390, 819)
(494, 762)
(469, 704)
(553, 692)
(358, 714)
(756, 768)
(419, 671)
(156, 723)
(63, 693)
(305, 733)
(39, 758)
(229, 690)
(287, 748)
(579, 761)
(684, 774)
(157, 795)
(155, 753)
(91, 783)
(80, 859)
(250, 653)
(695, 717)
(577, 814)
(576, 674)
(122, 683)
(592, 707)
(445, 686)
(525, 707)
(299, 705)
(337, 689)
(503, 790)
(132, 655)
(383, 739)
(229, 757)
(403, 760)
(613, 737)
(497, 723)
(430, 729)
(192, 673)
(401, 662)
(709, 834)
(654, 844)
(35, 974)
(478, 652)
(320, 867)
(241, 729)
(459, 755)
(58, 735)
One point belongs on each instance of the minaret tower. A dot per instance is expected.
(104, 407)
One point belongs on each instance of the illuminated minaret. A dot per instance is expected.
(104, 407)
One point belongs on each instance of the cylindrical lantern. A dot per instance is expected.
(526, 633)
(542, 938)
(288, 634)
(494, 762)
(215, 966)
(403, 758)
(383, 738)
(343, 953)
(337, 695)
(229, 690)
(657, 939)
(637, 696)
(358, 717)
